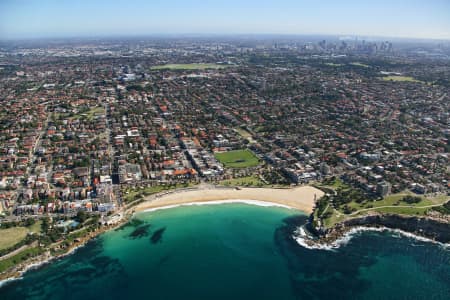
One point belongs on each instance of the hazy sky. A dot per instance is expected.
(57, 18)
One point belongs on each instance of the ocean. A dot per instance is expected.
(237, 251)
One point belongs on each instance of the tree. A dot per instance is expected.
(45, 225)
(411, 199)
(29, 222)
(81, 216)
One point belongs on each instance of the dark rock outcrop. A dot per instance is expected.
(421, 226)
(426, 227)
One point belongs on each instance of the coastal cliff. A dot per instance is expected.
(421, 226)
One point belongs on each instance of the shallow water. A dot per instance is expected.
(237, 251)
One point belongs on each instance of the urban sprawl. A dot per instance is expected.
(86, 124)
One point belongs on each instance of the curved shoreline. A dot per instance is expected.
(301, 198)
(218, 202)
(17, 272)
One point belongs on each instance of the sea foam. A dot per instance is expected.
(306, 240)
(216, 202)
(8, 280)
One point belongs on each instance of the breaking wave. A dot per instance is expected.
(216, 202)
(309, 241)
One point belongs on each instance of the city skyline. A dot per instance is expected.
(49, 18)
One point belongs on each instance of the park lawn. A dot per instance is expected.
(237, 158)
(336, 184)
(244, 181)
(441, 199)
(36, 227)
(391, 200)
(11, 236)
(334, 218)
(401, 210)
(415, 209)
(397, 198)
(90, 114)
(93, 111)
(394, 201)
(200, 66)
(409, 211)
(400, 78)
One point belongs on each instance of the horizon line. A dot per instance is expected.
(215, 34)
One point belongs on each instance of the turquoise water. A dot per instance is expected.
(237, 251)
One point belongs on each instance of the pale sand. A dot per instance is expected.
(301, 198)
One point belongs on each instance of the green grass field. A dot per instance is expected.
(391, 200)
(335, 184)
(36, 227)
(94, 111)
(403, 210)
(391, 204)
(237, 159)
(11, 236)
(89, 114)
(188, 67)
(400, 78)
(244, 181)
(334, 218)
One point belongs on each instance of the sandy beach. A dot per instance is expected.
(301, 198)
